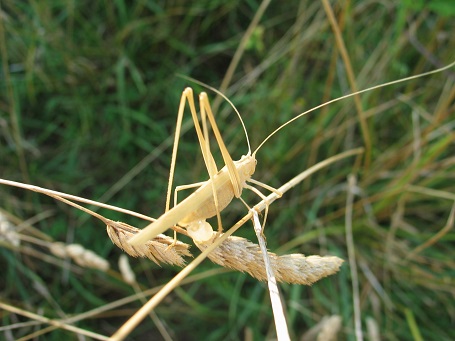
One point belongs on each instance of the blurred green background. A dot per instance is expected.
(89, 95)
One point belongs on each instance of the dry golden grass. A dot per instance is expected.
(240, 254)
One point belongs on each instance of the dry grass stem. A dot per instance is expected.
(52, 322)
(352, 188)
(281, 325)
(242, 255)
(158, 249)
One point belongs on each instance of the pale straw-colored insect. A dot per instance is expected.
(213, 195)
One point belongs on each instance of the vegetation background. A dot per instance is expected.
(88, 100)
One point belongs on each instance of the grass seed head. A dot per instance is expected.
(242, 255)
(157, 249)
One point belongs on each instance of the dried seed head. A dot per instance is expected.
(58, 249)
(80, 255)
(8, 233)
(373, 329)
(75, 250)
(330, 328)
(242, 255)
(89, 259)
(326, 329)
(125, 269)
(157, 249)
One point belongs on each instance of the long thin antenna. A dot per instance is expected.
(351, 95)
(227, 100)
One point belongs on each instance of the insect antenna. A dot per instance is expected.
(351, 95)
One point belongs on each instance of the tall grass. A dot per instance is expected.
(88, 101)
